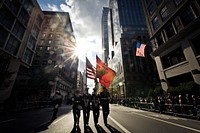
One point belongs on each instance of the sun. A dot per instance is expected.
(80, 51)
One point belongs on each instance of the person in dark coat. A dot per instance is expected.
(86, 107)
(57, 100)
(104, 101)
(76, 101)
(95, 106)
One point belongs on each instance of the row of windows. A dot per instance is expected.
(164, 13)
(186, 16)
(15, 6)
(152, 7)
(173, 58)
(183, 19)
(51, 35)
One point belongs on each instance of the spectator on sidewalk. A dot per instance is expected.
(57, 100)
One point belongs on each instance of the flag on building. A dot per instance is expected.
(90, 70)
(105, 74)
(140, 49)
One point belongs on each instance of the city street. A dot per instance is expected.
(122, 119)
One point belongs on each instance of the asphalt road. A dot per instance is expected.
(139, 121)
(121, 120)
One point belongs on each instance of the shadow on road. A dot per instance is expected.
(54, 116)
(112, 129)
(100, 129)
(42, 127)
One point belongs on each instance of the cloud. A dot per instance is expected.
(53, 7)
(86, 20)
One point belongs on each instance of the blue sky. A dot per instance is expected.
(86, 21)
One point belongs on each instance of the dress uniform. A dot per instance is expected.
(77, 99)
(104, 100)
(86, 99)
(95, 106)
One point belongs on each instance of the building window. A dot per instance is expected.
(169, 31)
(48, 48)
(155, 23)
(18, 30)
(6, 17)
(43, 34)
(23, 17)
(3, 36)
(177, 2)
(32, 43)
(28, 56)
(40, 48)
(50, 35)
(14, 5)
(177, 24)
(28, 6)
(12, 45)
(151, 8)
(50, 41)
(159, 39)
(187, 16)
(35, 31)
(164, 12)
(195, 42)
(173, 58)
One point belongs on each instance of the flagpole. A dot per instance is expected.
(85, 70)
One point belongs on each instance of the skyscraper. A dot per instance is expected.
(104, 26)
(126, 22)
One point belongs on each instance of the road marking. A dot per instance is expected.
(7, 121)
(119, 125)
(178, 125)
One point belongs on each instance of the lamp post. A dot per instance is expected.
(121, 85)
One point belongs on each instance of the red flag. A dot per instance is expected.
(140, 51)
(105, 74)
(90, 70)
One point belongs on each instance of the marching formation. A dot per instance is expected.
(87, 103)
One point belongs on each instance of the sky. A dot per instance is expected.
(86, 22)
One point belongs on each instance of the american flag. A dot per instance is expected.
(140, 51)
(90, 70)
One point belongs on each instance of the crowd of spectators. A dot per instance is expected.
(183, 103)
